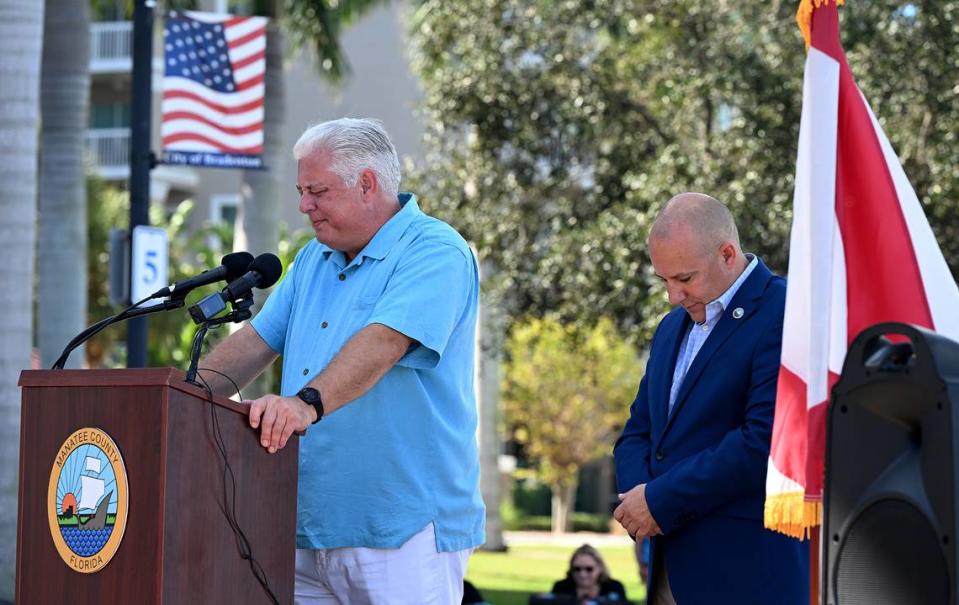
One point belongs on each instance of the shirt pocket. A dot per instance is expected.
(366, 302)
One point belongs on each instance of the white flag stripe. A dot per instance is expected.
(937, 280)
(250, 48)
(257, 68)
(244, 28)
(838, 315)
(207, 17)
(238, 120)
(194, 127)
(808, 295)
(234, 99)
(778, 483)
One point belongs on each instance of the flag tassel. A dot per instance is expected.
(792, 514)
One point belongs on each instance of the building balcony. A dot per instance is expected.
(111, 47)
(108, 151)
(108, 154)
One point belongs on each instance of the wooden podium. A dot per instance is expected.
(127, 460)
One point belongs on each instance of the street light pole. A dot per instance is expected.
(141, 158)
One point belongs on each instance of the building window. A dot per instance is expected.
(224, 208)
(110, 115)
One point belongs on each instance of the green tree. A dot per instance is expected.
(558, 129)
(564, 393)
(108, 208)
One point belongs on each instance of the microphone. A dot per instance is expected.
(263, 272)
(231, 267)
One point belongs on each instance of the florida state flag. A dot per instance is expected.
(861, 252)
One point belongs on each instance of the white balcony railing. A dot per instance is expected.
(111, 44)
(108, 151)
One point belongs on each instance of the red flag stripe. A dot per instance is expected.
(182, 94)
(250, 83)
(883, 282)
(248, 60)
(253, 35)
(186, 115)
(825, 32)
(177, 138)
(788, 447)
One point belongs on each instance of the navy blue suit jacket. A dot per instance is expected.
(704, 465)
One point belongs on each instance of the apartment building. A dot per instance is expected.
(381, 85)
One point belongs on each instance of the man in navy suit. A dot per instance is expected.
(691, 462)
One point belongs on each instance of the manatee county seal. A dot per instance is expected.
(87, 500)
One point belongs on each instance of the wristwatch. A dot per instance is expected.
(312, 397)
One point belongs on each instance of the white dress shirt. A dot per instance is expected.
(697, 333)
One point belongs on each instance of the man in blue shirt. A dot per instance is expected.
(376, 322)
(691, 462)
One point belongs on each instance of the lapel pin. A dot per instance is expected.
(738, 313)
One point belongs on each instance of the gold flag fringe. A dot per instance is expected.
(804, 16)
(791, 514)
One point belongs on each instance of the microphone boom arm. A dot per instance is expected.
(132, 311)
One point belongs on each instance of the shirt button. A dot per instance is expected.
(705, 328)
(306, 371)
(342, 276)
(324, 324)
(660, 455)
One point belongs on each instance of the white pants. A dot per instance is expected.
(413, 574)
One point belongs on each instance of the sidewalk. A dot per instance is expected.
(515, 538)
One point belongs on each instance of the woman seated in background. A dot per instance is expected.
(588, 578)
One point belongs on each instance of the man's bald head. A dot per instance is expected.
(694, 248)
(696, 217)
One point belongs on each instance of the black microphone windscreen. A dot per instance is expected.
(236, 263)
(269, 267)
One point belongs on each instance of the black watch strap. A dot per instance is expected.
(312, 397)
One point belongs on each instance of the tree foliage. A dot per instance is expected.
(905, 56)
(558, 129)
(564, 390)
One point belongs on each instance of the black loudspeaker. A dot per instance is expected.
(889, 526)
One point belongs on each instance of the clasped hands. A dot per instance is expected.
(278, 417)
(634, 515)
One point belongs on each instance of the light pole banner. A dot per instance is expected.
(213, 90)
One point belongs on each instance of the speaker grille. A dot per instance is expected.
(891, 556)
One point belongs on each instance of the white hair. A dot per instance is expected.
(355, 144)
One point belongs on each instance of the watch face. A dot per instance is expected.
(309, 395)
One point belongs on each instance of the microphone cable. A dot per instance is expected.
(229, 490)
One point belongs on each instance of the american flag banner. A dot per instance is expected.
(213, 89)
(861, 253)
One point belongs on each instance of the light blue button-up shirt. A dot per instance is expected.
(403, 455)
(697, 333)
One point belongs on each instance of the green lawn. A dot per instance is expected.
(509, 578)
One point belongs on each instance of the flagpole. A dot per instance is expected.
(141, 158)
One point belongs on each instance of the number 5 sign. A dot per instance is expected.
(149, 260)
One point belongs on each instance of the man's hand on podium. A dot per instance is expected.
(278, 417)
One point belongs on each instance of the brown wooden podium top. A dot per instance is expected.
(169, 377)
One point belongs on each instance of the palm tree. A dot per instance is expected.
(21, 36)
(62, 265)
